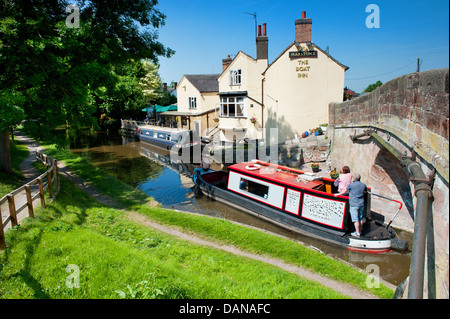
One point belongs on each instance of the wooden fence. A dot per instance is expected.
(24, 196)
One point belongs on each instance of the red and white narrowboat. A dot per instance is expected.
(298, 201)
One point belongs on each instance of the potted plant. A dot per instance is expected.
(216, 119)
(334, 174)
(315, 167)
(349, 94)
(318, 131)
(253, 119)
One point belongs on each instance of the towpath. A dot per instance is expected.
(29, 173)
(342, 288)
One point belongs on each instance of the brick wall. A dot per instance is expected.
(411, 112)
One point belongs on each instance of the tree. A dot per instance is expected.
(56, 70)
(123, 98)
(10, 112)
(151, 83)
(373, 86)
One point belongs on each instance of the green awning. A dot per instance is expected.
(160, 108)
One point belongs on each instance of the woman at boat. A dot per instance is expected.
(344, 179)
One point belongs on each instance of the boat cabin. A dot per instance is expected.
(300, 194)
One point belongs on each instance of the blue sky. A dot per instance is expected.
(204, 32)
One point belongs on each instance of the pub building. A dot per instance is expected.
(251, 96)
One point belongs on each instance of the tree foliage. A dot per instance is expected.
(151, 82)
(373, 86)
(54, 75)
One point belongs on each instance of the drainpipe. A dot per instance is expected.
(424, 195)
(262, 107)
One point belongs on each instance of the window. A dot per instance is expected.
(192, 102)
(254, 188)
(232, 106)
(235, 77)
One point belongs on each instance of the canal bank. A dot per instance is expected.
(202, 226)
(170, 185)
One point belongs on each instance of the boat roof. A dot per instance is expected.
(276, 175)
(162, 129)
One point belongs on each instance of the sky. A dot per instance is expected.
(202, 33)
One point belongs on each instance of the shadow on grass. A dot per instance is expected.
(69, 207)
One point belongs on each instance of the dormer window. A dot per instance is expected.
(235, 77)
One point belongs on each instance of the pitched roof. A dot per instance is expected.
(317, 47)
(228, 66)
(204, 82)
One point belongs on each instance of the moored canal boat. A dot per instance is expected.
(299, 201)
(167, 138)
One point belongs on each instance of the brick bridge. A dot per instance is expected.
(411, 113)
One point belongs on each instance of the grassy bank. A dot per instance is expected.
(117, 258)
(176, 269)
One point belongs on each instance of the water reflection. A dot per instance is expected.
(150, 169)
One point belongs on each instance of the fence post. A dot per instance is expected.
(29, 201)
(2, 234)
(55, 174)
(41, 192)
(49, 182)
(12, 210)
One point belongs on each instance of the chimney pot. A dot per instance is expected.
(264, 30)
(303, 14)
(259, 31)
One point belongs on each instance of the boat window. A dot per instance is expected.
(254, 188)
(168, 137)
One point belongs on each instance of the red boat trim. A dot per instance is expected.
(299, 201)
(277, 182)
(286, 187)
(371, 251)
(343, 215)
(297, 171)
(228, 188)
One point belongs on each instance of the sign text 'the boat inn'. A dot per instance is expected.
(303, 64)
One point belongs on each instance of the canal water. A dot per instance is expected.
(150, 169)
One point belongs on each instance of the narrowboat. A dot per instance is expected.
(167, 138)
(299, 201)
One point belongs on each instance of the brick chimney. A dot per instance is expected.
(303, 29)
(226, 62)
(262, 44)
